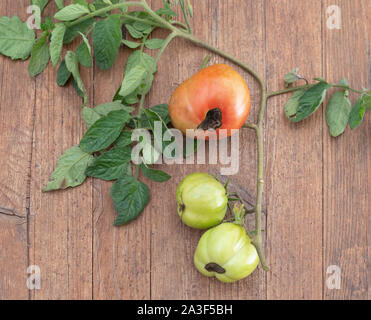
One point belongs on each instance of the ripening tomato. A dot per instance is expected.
(215, 98)
(202, 201)
(226, 252)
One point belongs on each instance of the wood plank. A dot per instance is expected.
(121, 265)
(294, 157)
(17, 100)
(347, 159)
(61, 222)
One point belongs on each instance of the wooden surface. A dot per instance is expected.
(316, 203)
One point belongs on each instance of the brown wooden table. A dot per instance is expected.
(316, 200)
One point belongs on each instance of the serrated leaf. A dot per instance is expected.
(162, 110)
(40, 3)
(104, 131)
(63, 74)
(310, 101)
(130, 197)
(134, 32)
(70, 170)
(131, 44)
(73, 66)
(59, 4)
(155, 175)
(83, 52)
(124, 139)
(71, 12)
(56, 43)
(154, 43)
(92, 115)
(107, 38)
(39, 55)
(132, 80)
(16, 39)
(337, 113)
(357, 114)
(111, 165)
(292, 104)
(72, 32)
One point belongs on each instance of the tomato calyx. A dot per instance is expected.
(213, 120)
(214, 267)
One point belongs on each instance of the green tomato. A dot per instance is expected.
(202, 201)
(226, 252)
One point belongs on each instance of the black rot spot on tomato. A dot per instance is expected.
(214, 267)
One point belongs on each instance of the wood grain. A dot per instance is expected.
(294, 157)
(316, 203)
(347, 159)
(17, 101)
(60, 222)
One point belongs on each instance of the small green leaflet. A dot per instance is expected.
(310, 101)
(70, 170)
(71, 12)
(16, 39)
(83, 52)
(60, 4)
(132, 80)
(292, 77)
(40, 3)
(73, 66)
(155, 175)
(56, 43)
(136, 34)
(337, 113)
(292, 104)
(63, 74)
(367, 100)
(47, 25)
(39, 55)
(131, 44)
(111, 165)
(162, 110)
(104, 131)
(92, 115)
(72, 32)
(106, 39)
(124, 139)
(130, 197)
(154, 43)
(357, 114)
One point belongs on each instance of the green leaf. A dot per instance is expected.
(367, 100)
(73, 66)
(16, 39)
(83, 52)
(131, 44)
(357, 114)
(63, 74)
(292, 77)
(70, 171)
(107, 38)
(337, 113)
(111, 165)
(138, 58)
(92, 115)
(81, 2)
(72, 32)
(124, 139)
(132, 80)
(60, 4)
(104, 131)
(47, 25)
(155, 175)
(56, 43)
(71, 12)
(134, 32)
(154, 43)
(310, 101)
(162, 110)
(130, 197)
(39, 55)
(40, 3)
(292, 104)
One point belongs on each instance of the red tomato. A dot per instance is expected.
(215, 98)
